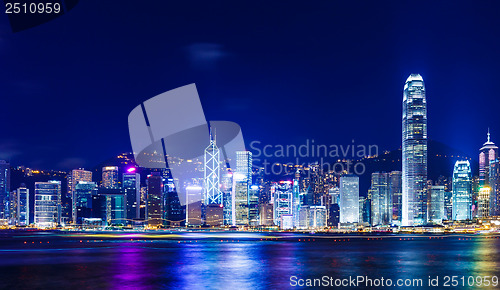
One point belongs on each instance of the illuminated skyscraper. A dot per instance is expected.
(22, 206)
(4, 188)
(488, 178)
(84, 192)
(131, 189)
(396, 192)
(242, 180)
(115, 198)
(47, 204)
(253, 205)
(212, 192)
(349, 199)
(110, 177)
(436, 204)
(75, 176)
(283, 192)
(154, 206)
(483, 202)
(414, 200)
(193, 205)
(487, 154)
(495, 188)
(462, 191)
(381, 206)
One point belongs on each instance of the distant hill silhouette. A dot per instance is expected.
(441, 159)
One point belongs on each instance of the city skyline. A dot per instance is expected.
(241, 78)
(193, 145)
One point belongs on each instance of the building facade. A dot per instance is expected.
(47, 204)
(462, 191)
(414, 158)
(349, 199)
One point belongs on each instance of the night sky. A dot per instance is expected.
(284, 70)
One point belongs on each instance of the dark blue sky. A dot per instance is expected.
(284, 70)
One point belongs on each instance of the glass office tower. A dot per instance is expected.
(349, 199)
(414, 145)
(462, 191)
(47, 204)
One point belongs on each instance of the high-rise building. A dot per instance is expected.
(174, 211)
(84, 192)
(116, 203)
(483, 202)
(131, 188)
(214, 215)
(381, 210)
(110, 177)
(154, 206)
(349, 199)
(227, 192)
(212, 192)
(487, 154)
(495, 188)
(242, 179)
(334, 215)
(266, 214)
(436, 204)
(253, 205)
(462, 191)
(22, 206)
(296, 198)
(396, 193)
(194, 205)
(365, 209)
(448, 205)
(47, 204)
(75, 176)
(312, 217)
(414, 145)
(283, 192)
(4, 189)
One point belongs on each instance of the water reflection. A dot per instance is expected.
(238, 264)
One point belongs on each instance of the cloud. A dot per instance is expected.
(205, 56)
(9, 149)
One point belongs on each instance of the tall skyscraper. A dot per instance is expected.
(174, 212)
(154, 206)
(131, 188)
(212, 192)
(47, 204)
(436, 204)
(115, 197)
(22, 206)
(84, 192)
(495, 188)
(227, 192)
(488, 179)
(381, 205)
(487, 154)
(483, 202)
(414, 208)
(4, 188)
(194, 205)
(462, 191)
(75, 176)
(242, 180)
(283, 192)
(349, 199)
(396, 193)
(253, 205)
(110, 177)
